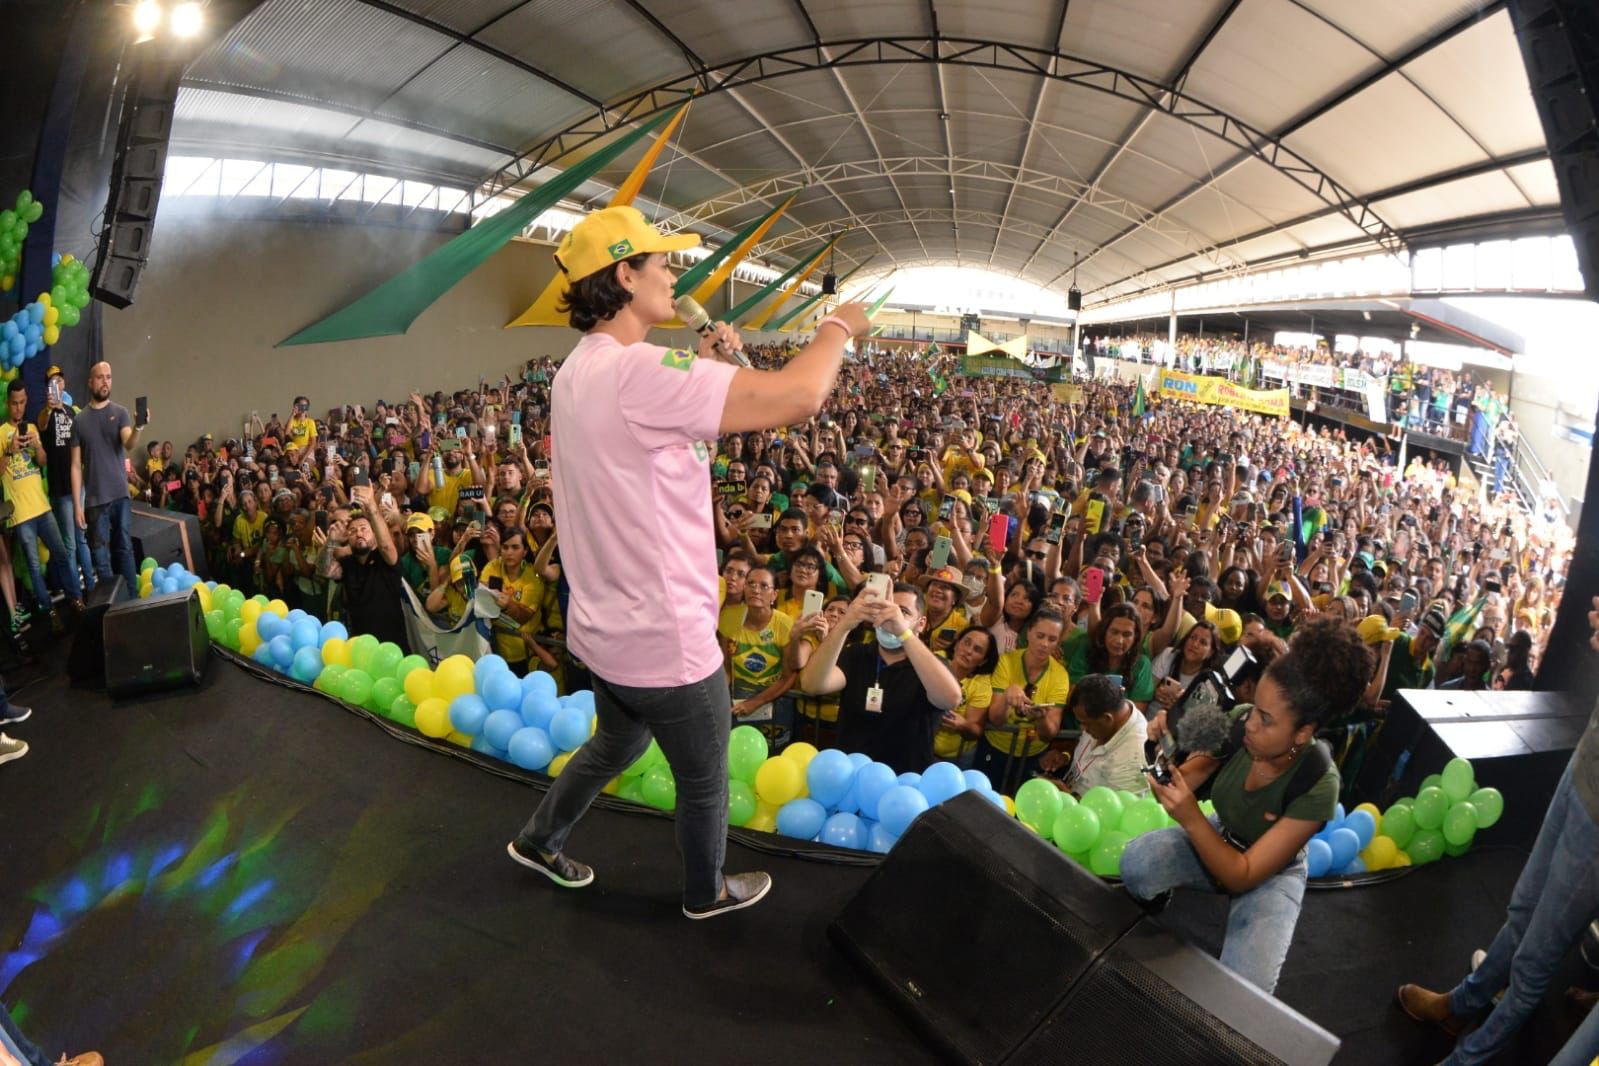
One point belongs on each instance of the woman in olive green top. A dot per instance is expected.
(1253, 847)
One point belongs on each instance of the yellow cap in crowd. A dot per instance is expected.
(610, 235)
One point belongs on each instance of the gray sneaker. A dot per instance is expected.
(12, 749)
(743, 890)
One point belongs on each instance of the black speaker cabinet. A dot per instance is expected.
(1002, 950)
(1074, 299)
(155, 643)
(86, 660)
(168, 537)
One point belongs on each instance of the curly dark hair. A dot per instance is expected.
(1325, 671)
(598, 297)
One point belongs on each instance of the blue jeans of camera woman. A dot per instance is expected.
(1260, 922)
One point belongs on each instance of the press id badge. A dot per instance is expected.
(874, 699)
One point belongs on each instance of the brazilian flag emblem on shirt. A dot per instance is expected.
(677, 359)
(621, 250)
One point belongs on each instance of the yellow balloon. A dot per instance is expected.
(1380, 853)
(249, 639)
(762, 823)
(52, 315)
(454, 677)
(558, 764)
(335, 650)
(205, 597)
(1372, 809)
(612, 787)
(52, 332)
(459, 739)
(249, 611)
(7, 282)
(418, 683)
(779, 780)
(433, 718)
(279, 608)
(1010, 806)
(44, 299)
(1402, 859)
(800, 752)
(68, 259)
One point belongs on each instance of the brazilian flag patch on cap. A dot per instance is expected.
(621, 250)
(677, 359)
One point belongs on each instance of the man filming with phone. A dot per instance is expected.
(631, 477)
(102, 436)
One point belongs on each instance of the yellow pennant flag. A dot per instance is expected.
(977, 344)
(542, 311)
(792, 289)
(723, 272)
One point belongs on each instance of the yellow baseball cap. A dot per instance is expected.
(610, 235)
(1229, 625)
(418, 520)
(1374, 629)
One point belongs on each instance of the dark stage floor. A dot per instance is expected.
(248, 874)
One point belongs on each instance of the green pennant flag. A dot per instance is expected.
(940, 383)
(878, 305)
(1138, 400)
(697, 273)
(1459, 628)
(389, 309)
(746, 306)
(808, 304)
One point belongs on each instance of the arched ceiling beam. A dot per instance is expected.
(1252, 142)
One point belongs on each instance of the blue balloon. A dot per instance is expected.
(500, 726)
(843, 831)
(294, 617)
(539, 709)
(569, 728)
(306, 666)
(502, 691)
(305, 634)
(488, 665)
(1357, 865)
(263, 655)
(1345, 846)
(1338, 816)
(899, 807)
(583, 698)
(871, 781)
(282, 652)
(801, 819)
(19, 344)
(467, 714)
(829, 776)
(910, 779)
(942, 781)
(879, 839)
(36, 312)
(266, 625)
(991, 796)
(531, 748)
(977, 779)
(8, 330)
(483, 747)
(1364, 825)
(334, 629)
(1318, 858)
(849, 803)
(539, 683)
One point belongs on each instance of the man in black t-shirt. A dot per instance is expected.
(361, 556)
(55, 430)
(892, 693)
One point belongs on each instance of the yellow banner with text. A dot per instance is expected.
(1223, 393)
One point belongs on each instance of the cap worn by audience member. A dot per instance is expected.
(1374, 629)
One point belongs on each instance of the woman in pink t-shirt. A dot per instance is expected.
(631, 474)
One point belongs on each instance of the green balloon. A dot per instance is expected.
(384, 660)
(1398, 825)
(1426, 846)
(8, 218)
(408, 664)
(1489, 804)
(235, 601)
(230, 631)
(1460, 824)
(1038, 804)
(1141, 816)
(147, 563)
(384, 692)
(1430, 781)
(1458, 780)
(35, 210)
(746, 752)
(1107, 858)
(1106, 804)
(1431, 805)
(331, 679)
(402, 710)
(362, 648)
(1406, 802)
(740, 802)
(1076, 829)
(652, 757)
(1456, 850)
(356, 687)
(632, 790)
(214, 623)
(24, 200)
(659, 788)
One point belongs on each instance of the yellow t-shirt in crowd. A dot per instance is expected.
(976, 691)
(247, 533)
(943, 638)
(23, 483)
(527, 590)
(813, 706)
(1048, 689)
(448, 493)
(758, 653)
(301, 433)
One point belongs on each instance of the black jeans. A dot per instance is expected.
(691, 724)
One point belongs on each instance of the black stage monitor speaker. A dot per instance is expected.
(168, 537)
(1074, 298)
(155, 643)
(86, 661)
(1003, 950)
(829, 284)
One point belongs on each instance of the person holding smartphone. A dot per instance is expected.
(1030, 688)
(30, 517)
(631, 476)
(55, 426)
(103, 434)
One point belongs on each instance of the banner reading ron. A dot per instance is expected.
(1223, 393)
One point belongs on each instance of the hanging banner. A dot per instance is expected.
(989, 366)
(542, 311)
(1067, 394)
(1220, 392)
(1377, 400)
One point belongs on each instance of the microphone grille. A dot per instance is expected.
(1203, 728)
(690, 311)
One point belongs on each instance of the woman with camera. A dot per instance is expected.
(1271, 795)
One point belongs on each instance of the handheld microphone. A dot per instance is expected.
(1203, 730)
(695, 318)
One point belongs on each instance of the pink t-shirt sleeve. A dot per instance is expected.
(670, 396)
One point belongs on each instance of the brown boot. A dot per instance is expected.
(1430, 1007)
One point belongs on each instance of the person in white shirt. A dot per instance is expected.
(1111, 750)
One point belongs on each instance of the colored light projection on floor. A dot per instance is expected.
(245, 925)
